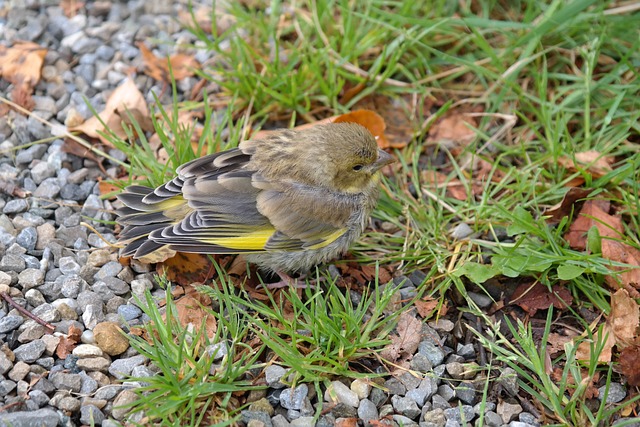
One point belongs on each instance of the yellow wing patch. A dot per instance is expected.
(256, 240)
(329, 239)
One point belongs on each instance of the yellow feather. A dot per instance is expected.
(249, 241)
(329, 239)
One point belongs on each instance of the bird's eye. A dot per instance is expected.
(357, 168)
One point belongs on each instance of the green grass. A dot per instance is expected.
(552, 79)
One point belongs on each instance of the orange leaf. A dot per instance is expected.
(22, 63)
(182, 65)
(369, 119)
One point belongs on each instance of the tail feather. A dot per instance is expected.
(140, 218)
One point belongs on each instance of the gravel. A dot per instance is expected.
(59, 271)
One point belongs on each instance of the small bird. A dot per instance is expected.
(287, 202)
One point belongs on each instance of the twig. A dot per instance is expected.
(27, 312)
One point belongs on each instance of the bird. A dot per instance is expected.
(287, 201)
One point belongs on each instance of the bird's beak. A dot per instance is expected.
(384, 159)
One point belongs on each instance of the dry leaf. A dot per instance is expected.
(556, 213)
(124, 101)
(21, 65)
(592, 162)
(407, 339)
(595, 213)
(426, 306)
(538, 297)
(68, 343)
(191, 311)
(620, 328)
(453, 129)
(435, 180)
(630, 364)
(182, 65)
(187, 268)
(624, 318)
(70, 8)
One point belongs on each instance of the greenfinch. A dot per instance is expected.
(287, 202)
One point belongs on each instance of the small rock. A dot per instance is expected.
(405, 406)
(121, 405)
(508, 379)
(367, 411)
(616, 392)
(508, 411)
(361, 388)
(122, 368)
(338, 392)
(294, 398)
(30, 352)
(273, 374)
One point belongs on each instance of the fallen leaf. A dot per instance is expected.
(556, 342)
(435, 180)
(630, 364)
(592, 162)
(21, 64)
(124, 101)
(566, 207)
(620, 328)
(191, 311)
(202, 19)
(68, 342)
(454, 129)
(70, 8)
(187, 268)
(180, 65)
(73, 147)
(426, 306)
(538, 297)
(407, 339)
(624, 317)
(595, 213)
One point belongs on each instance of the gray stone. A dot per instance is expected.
(41, 418)
(508, 379)
(12, 262)
(129, 312)
(122, 368)
(91, 415)
(433, 352)
(27, 238)
(273, 374)
(435, 417)
(15, 206)
(294, 398)
(405, 406)
(491, 419)
(30, 352)
(64, 381)
(10, 322)
(338, 392)
(367, 411)
(30, 278)
(48, 313)
(461, 414)
(466, 393)
(615, 394)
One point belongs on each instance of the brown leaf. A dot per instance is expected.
(556, 213)
(124, 101)
(70, 8)
(68, 343)
(426, 306)
(435, 180)
(191, 310)
(181, 65)
(592, 162)
(21, 64)
(595, 213)
(630, 364)
(556, 342)
(409, 334)
(186, 268)
(583, 352)
(454, 128)
(537, 297)
(624, 317)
